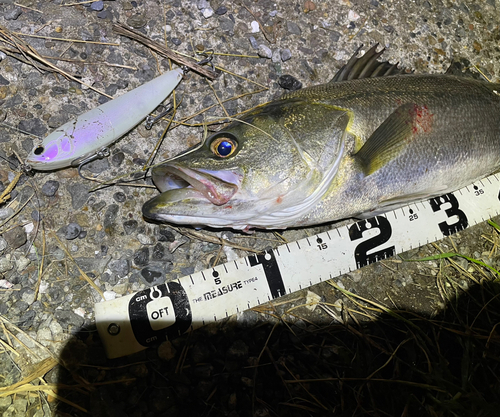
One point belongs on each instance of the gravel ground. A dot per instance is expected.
(62, 222)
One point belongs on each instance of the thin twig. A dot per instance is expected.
(40, 268)
(262, 28)
(52, 38)
(29, 52)
(6, 193)
(17, 212)
(163, 50)
(212, 239)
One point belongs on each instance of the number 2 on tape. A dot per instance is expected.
(361, 254)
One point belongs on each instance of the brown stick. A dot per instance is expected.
(163, 50)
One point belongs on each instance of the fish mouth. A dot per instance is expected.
(178, 183)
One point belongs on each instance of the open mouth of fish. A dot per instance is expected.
(180, 183)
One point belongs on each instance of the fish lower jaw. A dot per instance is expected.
(216, 223)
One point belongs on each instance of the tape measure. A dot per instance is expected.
(129, 324)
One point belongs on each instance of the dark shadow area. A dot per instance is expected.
(399, 365)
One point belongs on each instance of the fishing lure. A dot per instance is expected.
(87, 138)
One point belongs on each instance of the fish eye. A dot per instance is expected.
(39, 150)
(223, 146)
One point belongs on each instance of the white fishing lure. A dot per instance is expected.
(79, 139)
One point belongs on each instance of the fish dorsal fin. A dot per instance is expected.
(393, 136)
(462, 68)
(367, 66)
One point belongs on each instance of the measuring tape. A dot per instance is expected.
(129, 324)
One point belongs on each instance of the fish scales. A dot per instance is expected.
(343, 149)
(465, 129)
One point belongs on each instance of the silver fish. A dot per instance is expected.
(353, 148)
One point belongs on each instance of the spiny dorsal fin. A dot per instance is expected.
(393, 136)
(367, 66)
(462, 68)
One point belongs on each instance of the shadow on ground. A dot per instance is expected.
(399, 365)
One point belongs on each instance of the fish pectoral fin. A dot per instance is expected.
(389, 139)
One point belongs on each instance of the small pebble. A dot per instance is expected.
(203, 4)
(79, 195)
(6, 284)
(6, 264)
(13, 13)
(86, 36)
(141, 257)
(34, 126)
(166, 235)
(289, 82)
(352, 15)
(276, 57)
(28, 295)
(117, 159)
(253, 42)
(293, 28)
(15, 237)
(176, 243)
(68, 318)
(97, 5)
(119, 197)
(36, 215)
(98, 206)
(110, 217)
(28, 228)
(158, 251)
(129, 226)
(72, 231)
(286, 54)
(226, 25)
(264, 51)
(221, 10)
(255, 26)
(104, 14)
(120, 267)
(334, 36)
(144, 239)
(109, 295)
(3, 244)
(152, 276)
(136, 21)
(6, 212)
(121, 288)
(139, 161)
(208, 12)
(309, 6)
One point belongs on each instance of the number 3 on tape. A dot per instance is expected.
(460, 224)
